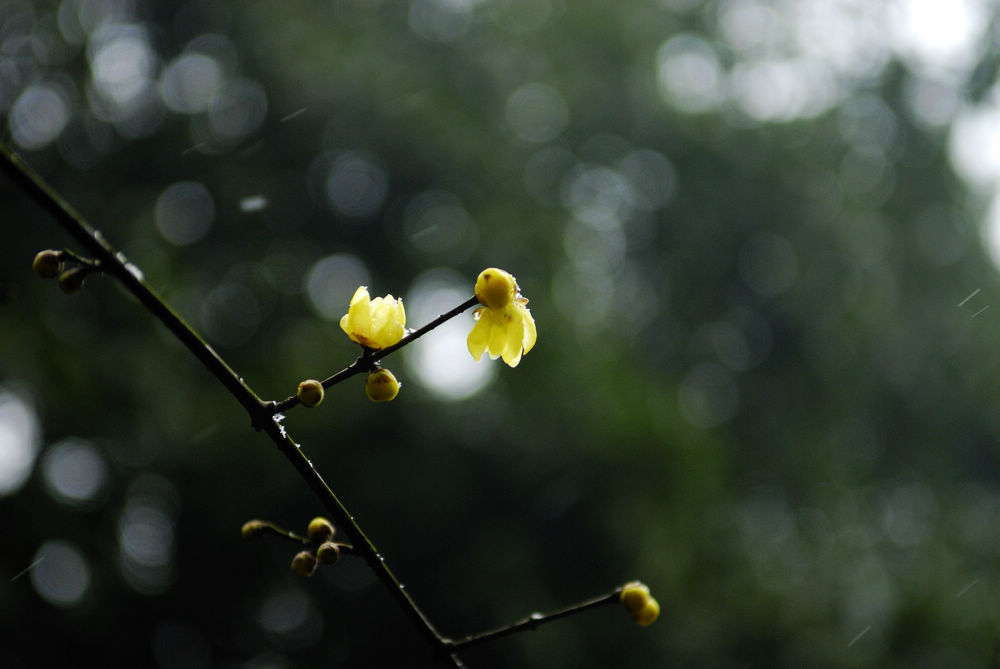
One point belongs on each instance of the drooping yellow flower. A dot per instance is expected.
(504, 326)
(374, 324)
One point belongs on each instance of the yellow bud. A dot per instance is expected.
(634, 597)
(48, 264)
(72, 280)
(381, 386)
(495, 288)
(252, 529)
(310, 393)
(320, 529)
(649, 613)
(328, 552)
(304, 564)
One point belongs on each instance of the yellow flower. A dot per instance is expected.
(504, 326)
(374, 324)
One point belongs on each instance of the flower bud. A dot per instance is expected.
(648, 614)
(328, 552)
(304, 564)
(495, 288)
(640, 605)
(254, 529)
(381, 386)
(71, 281)
(320, 529)
(310, 393)
(48, 264)
(634, 596)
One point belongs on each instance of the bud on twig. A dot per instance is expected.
(381, 386)
(328, 552)
(304, 564)
(254, 529)
(639, 603)
(71, 281)
(310, 393)
(320, 529)
(48, 264)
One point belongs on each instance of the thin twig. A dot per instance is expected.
(363, 546)
(534, 620)
(367, 359)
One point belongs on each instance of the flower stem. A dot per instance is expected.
(370, 356)
(533, 620)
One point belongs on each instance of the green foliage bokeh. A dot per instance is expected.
(765, 393)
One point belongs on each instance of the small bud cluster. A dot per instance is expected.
(639, 603)
(320, 531)
(51, 264)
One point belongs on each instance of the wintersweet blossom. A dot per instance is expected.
(374, 324)
(504, 326)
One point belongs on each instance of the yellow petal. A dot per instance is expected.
(359, 315)
(400, 313)
(514, 336)
(498, 333)
(360, 294)
(478, 338)
(356, 313)
(388, 321)
(530, 333)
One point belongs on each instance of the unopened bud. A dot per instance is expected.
(495, 288)
(639, 603)
(328, 552)
(381, 386)
(71, 281)
(253, 529)
(48, 264)
(320, 529)
(648, 614)
(304, 564)
(634, 596)
(310, 393)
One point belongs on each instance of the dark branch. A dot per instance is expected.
(263, 414)
(114, 262)
(533, 620)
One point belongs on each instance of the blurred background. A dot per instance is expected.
(760, 241)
